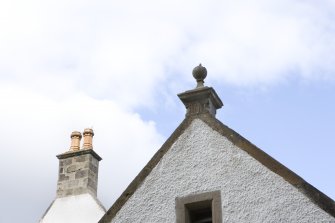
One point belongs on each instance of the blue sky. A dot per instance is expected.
(118, 66)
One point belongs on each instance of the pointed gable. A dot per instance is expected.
(204, 156)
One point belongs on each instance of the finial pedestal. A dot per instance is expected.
(202, 99)
(199, 101)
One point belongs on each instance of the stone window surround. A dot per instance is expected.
(213, 196)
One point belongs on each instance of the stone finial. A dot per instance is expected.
(199, 73)
(202, 99)
(75, 141)
(88, 137)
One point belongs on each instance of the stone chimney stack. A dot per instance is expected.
(76, 199)
(201, 99)
(78, 168)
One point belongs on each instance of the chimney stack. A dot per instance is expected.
(78, 168)
(76, 199)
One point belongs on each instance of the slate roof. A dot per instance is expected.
(316, 196)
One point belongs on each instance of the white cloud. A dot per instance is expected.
(37, 127)
(109, 48)
(261, 42)
(113, 49)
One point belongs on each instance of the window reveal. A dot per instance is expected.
(199, 208)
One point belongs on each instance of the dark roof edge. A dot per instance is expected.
(69, 154)
(316, 196)
(47, 210)
(132, 187)
(98, 202)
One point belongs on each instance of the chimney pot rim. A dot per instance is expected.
(88, 131)
(76, 133)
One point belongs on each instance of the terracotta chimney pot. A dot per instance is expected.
(88, 138)
(75, 141)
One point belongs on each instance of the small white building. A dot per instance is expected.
(76, 200)
(205, 172)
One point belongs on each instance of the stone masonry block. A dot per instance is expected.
(93, 168)
(81, 174)
(79, 190)
(81, 158)
(71, 168)
(92, 184)
(94, 161)
(73, 183)
(66, 162)
(92, 175)
(63, 177)
(69, 192)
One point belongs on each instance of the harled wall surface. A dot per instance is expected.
(202, 160)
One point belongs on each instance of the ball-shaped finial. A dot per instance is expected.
(199, 73)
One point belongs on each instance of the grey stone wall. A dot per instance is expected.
(78, 174)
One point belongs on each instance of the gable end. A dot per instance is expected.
(316, 196)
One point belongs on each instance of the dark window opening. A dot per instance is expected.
(199, 212)
(199, 208)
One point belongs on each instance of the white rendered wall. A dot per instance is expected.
(74, 209)
(202, 160)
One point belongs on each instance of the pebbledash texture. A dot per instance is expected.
(201, 160)
(205, 172)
